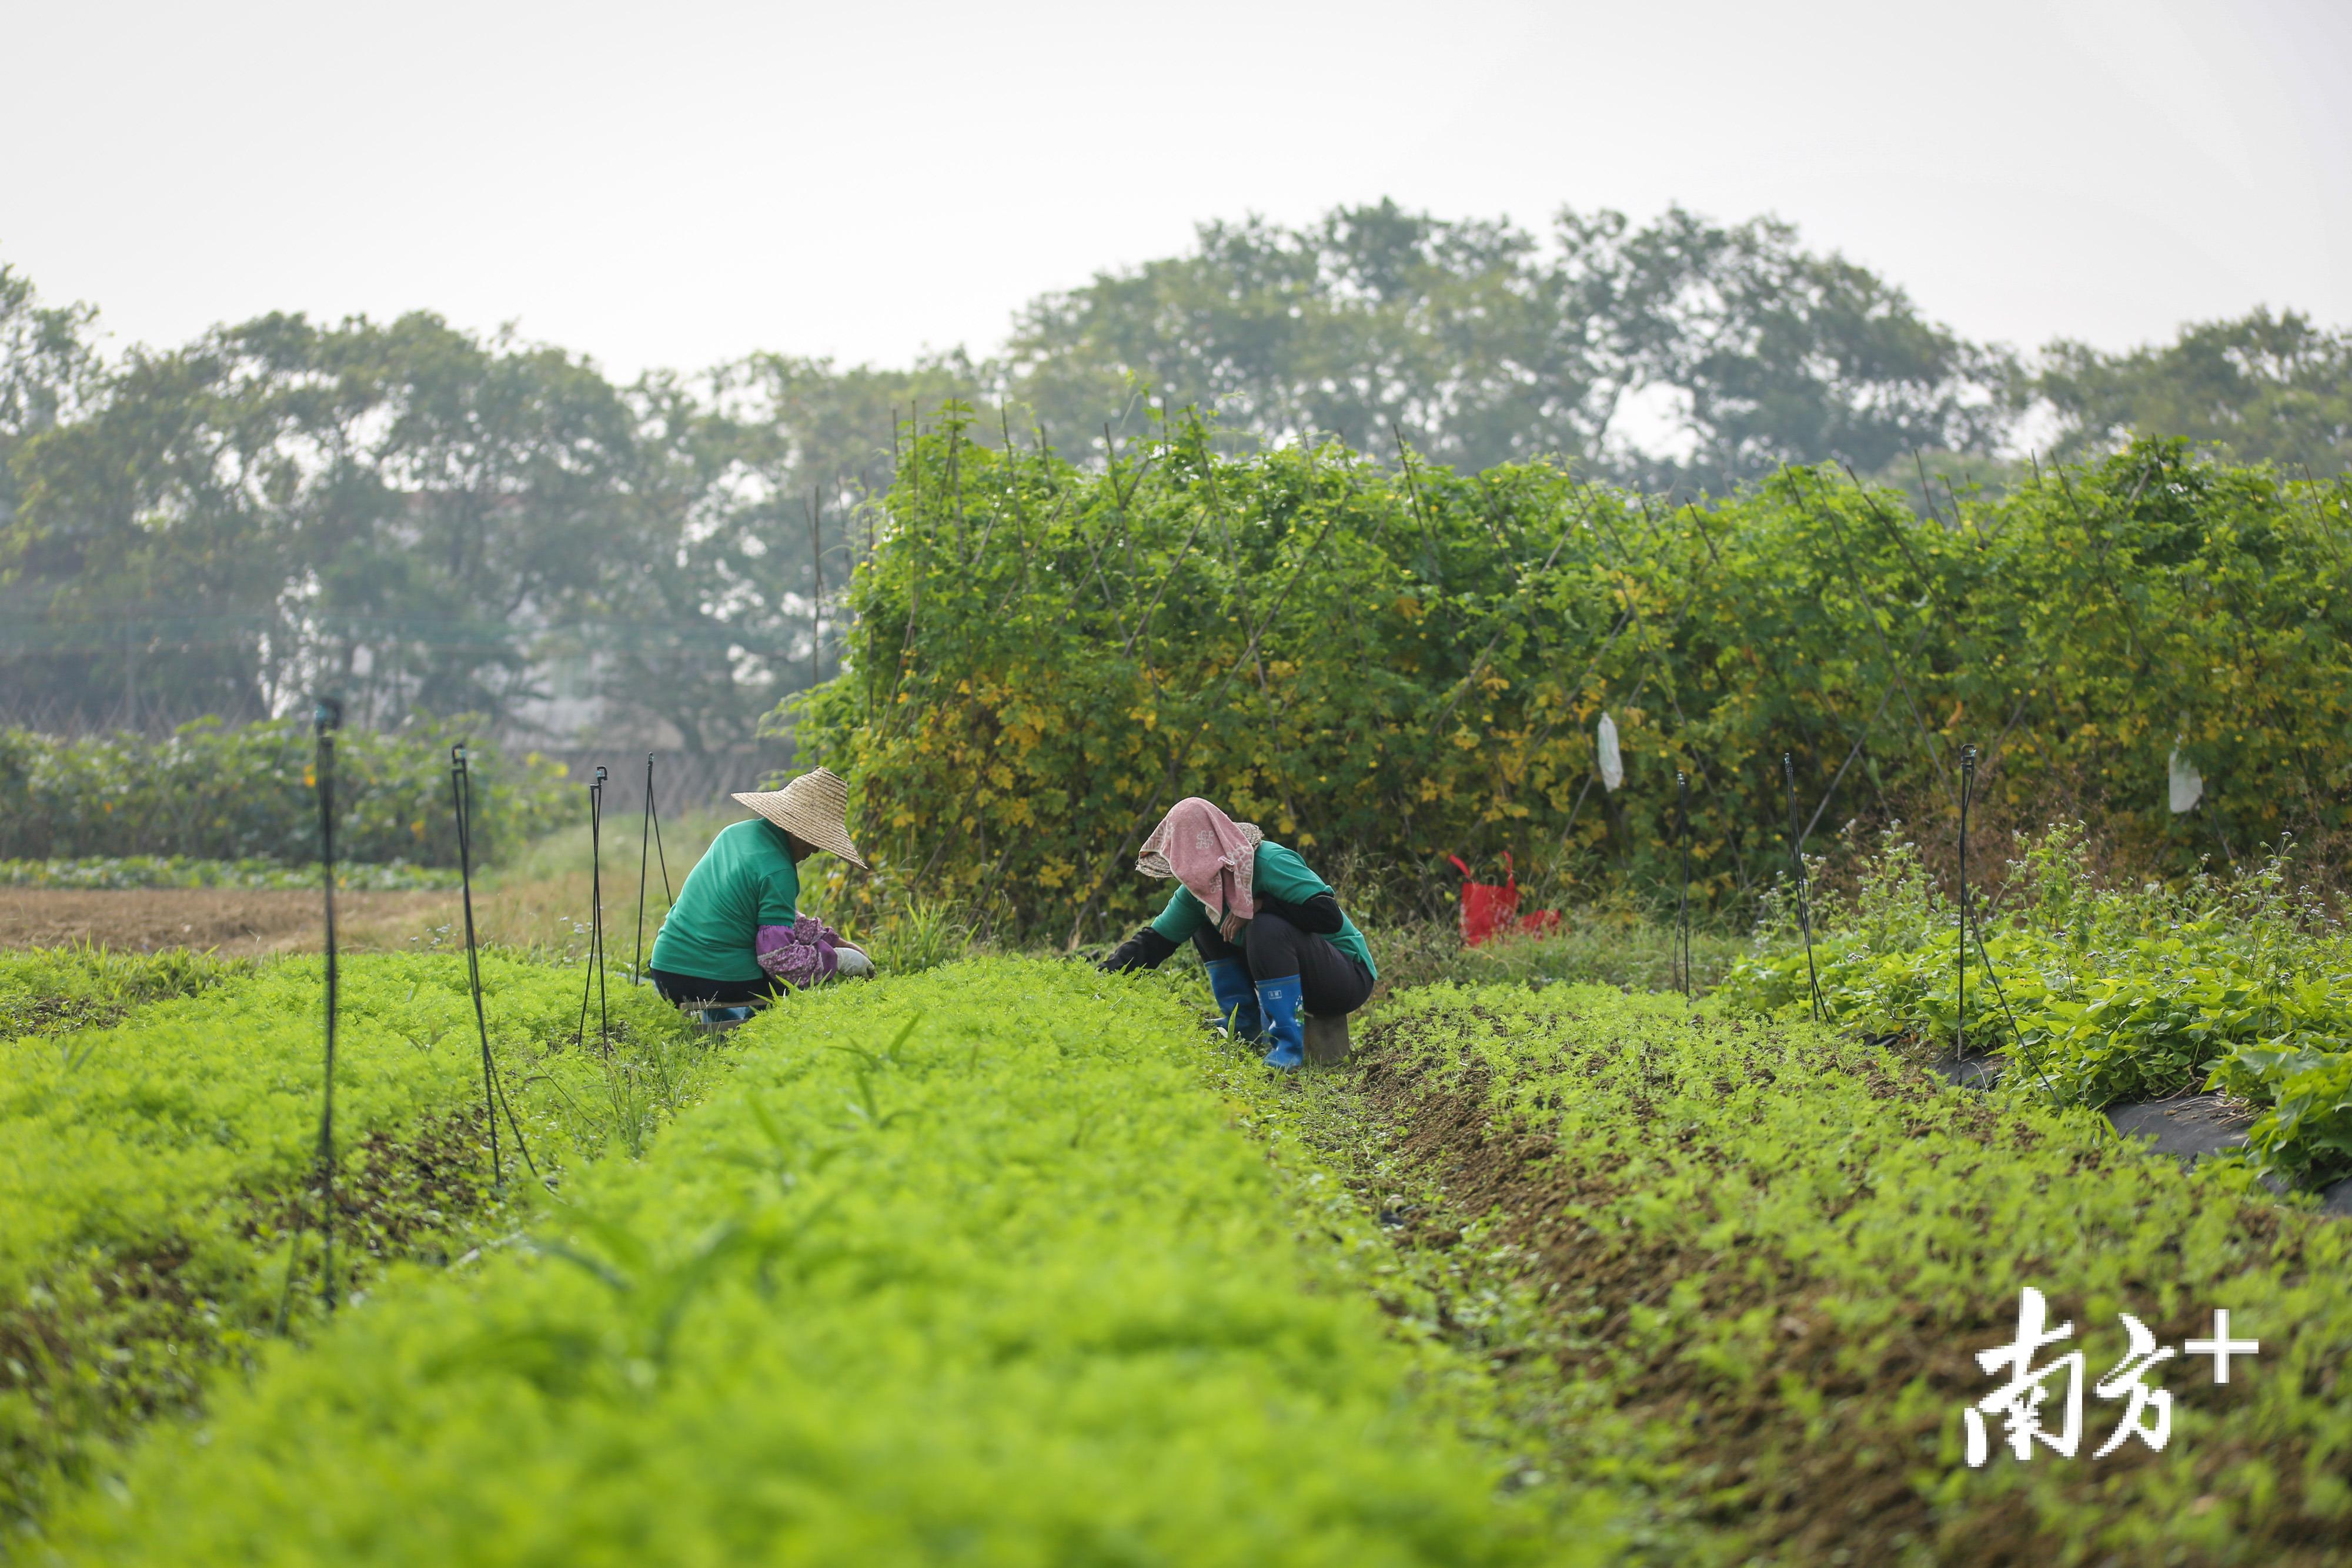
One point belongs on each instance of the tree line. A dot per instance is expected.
(438, 521)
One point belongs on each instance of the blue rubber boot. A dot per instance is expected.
(1277, 1003)
(1229, 982)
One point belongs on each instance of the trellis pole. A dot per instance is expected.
(1804, 909)
(327, 718)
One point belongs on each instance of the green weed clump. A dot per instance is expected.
(54, 990)
(971, 1267)
(1742, 1270)
(153, 1174)
(1594, 947)
(2100, 995)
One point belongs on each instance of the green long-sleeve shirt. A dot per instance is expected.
(744, 881)
(1279, 873)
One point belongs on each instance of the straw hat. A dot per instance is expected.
(812, 809)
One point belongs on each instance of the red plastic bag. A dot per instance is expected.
(1487, 908)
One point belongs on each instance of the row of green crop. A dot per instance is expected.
(247, 792)
(2101, 995)
(1385, 665)
(967, 1268)
(120, 872)
(56, 990)
(1743, 1271)
(153, 1173)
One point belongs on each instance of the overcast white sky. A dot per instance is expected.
(682, 184)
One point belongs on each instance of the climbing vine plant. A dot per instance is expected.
(1384, 662)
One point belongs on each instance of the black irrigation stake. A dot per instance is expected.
(1984, 958)
(593, 980)
(1804, 913)
(649, 835)
(816, 591)
(461, 793)
(327, 718)
(2108, 1131)
(494, 1094)
(1972, 933)
(473, 966)
(1682, 904)
(645, 838)
(1968, 790)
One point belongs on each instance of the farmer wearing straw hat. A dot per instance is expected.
(1270, 930)
(736, 933)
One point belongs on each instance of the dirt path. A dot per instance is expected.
(237, 921)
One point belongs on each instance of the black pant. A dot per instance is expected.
(684, 989)
(1272, 948)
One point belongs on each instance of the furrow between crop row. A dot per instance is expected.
(1743, 1269)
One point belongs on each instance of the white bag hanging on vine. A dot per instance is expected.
(1613, 761)
(2188, 784)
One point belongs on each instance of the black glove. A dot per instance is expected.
(1147, 950)
(1319, 915)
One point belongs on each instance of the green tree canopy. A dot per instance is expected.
(1483, 343)
(2261, 389)
(426, 520)
(435, 521)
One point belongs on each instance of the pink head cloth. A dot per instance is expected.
(1213, 855)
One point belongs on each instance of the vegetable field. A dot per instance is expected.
(157, 1174)
(1612, 1243)
(123, 872)
(2093, 996)
(1011, 1261)
(972, 1267)
(1741, 1271)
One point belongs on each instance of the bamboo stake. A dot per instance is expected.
(1927, 491)
(955, 482)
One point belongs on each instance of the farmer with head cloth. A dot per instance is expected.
(736, 933)
(1269, 929)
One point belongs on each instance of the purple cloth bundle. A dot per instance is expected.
(801, 954)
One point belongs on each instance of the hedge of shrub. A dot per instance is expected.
(217, 792)
(1384, 664)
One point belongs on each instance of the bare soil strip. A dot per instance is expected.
(237, 922)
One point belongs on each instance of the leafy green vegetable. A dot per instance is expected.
(1741, 1269)
(55, 990)
(966, 1267)
(151, 1174)
(2105, 995)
